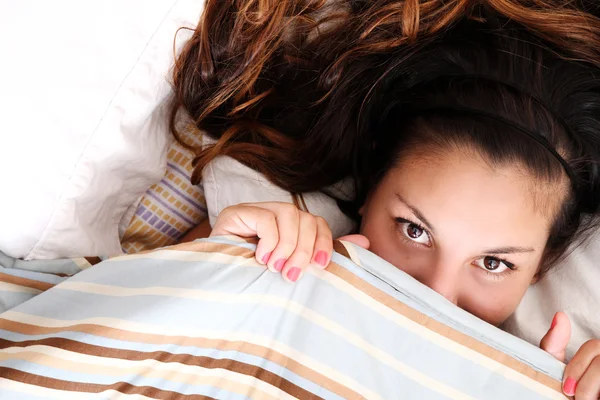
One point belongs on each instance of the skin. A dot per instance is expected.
(473, 232)
(442, 220)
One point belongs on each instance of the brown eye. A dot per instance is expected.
(491, 263)
(414, 231)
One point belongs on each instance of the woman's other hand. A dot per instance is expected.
(581, 380)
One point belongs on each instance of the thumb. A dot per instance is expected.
(557, 338)
(358, 240)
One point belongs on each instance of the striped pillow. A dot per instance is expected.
(171, 207)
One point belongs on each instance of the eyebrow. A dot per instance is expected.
(509, 250)
(499, 250)
(417, 213)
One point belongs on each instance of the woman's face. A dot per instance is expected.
(473, 233)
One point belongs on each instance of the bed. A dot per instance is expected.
(97, 174)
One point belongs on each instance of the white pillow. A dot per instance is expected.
(83, 130)
(228, 182)
(572, 287)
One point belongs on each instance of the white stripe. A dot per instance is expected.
(352, 252)
(170, 371)
(11, 287)
(81, 263)
(233, 238)
(436, 338)
(263, 341)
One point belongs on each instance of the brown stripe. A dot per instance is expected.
(93, 260)
(339, 248)
(30, 283)
(227, 249)
(82, 387)
(206, 247)
(166, 357)
(444, 330)
(218, 344)
(253, 240)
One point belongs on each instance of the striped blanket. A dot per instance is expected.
(204, 320)
(20, 281)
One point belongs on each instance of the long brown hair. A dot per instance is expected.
(257, 73)
(299, 90)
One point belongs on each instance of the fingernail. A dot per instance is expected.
(553, 322)
(293, 274)
(279, 264)
(266, 257)
(321, 258)
(570, 386)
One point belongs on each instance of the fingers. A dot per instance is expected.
(288, 225)
(588, 386)
(323, 244)
(302, 254)
(268, 233)
(582, 375)
(250, 221)
(290, 240)
(358, 240)
(304, 239)
(556, 340)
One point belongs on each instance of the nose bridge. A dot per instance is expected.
(444, 278)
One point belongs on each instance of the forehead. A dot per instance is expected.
(460, 188)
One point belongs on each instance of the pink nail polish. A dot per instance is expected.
(266, 257)
(293, 274)
(570, 386)
(321, 258)
(279, 264)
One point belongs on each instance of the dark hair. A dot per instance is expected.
(307, 109)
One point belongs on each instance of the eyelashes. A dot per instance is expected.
(410, 232)
(493, 265)
(414, 232)
(416, 235)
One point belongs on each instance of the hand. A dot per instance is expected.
(289, 239)
(582, 375)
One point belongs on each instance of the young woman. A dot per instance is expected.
(474, 149)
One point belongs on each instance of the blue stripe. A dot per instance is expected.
(10, 300)
(170, 208)
(9, 394)
(176, 168)
(184, 196)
